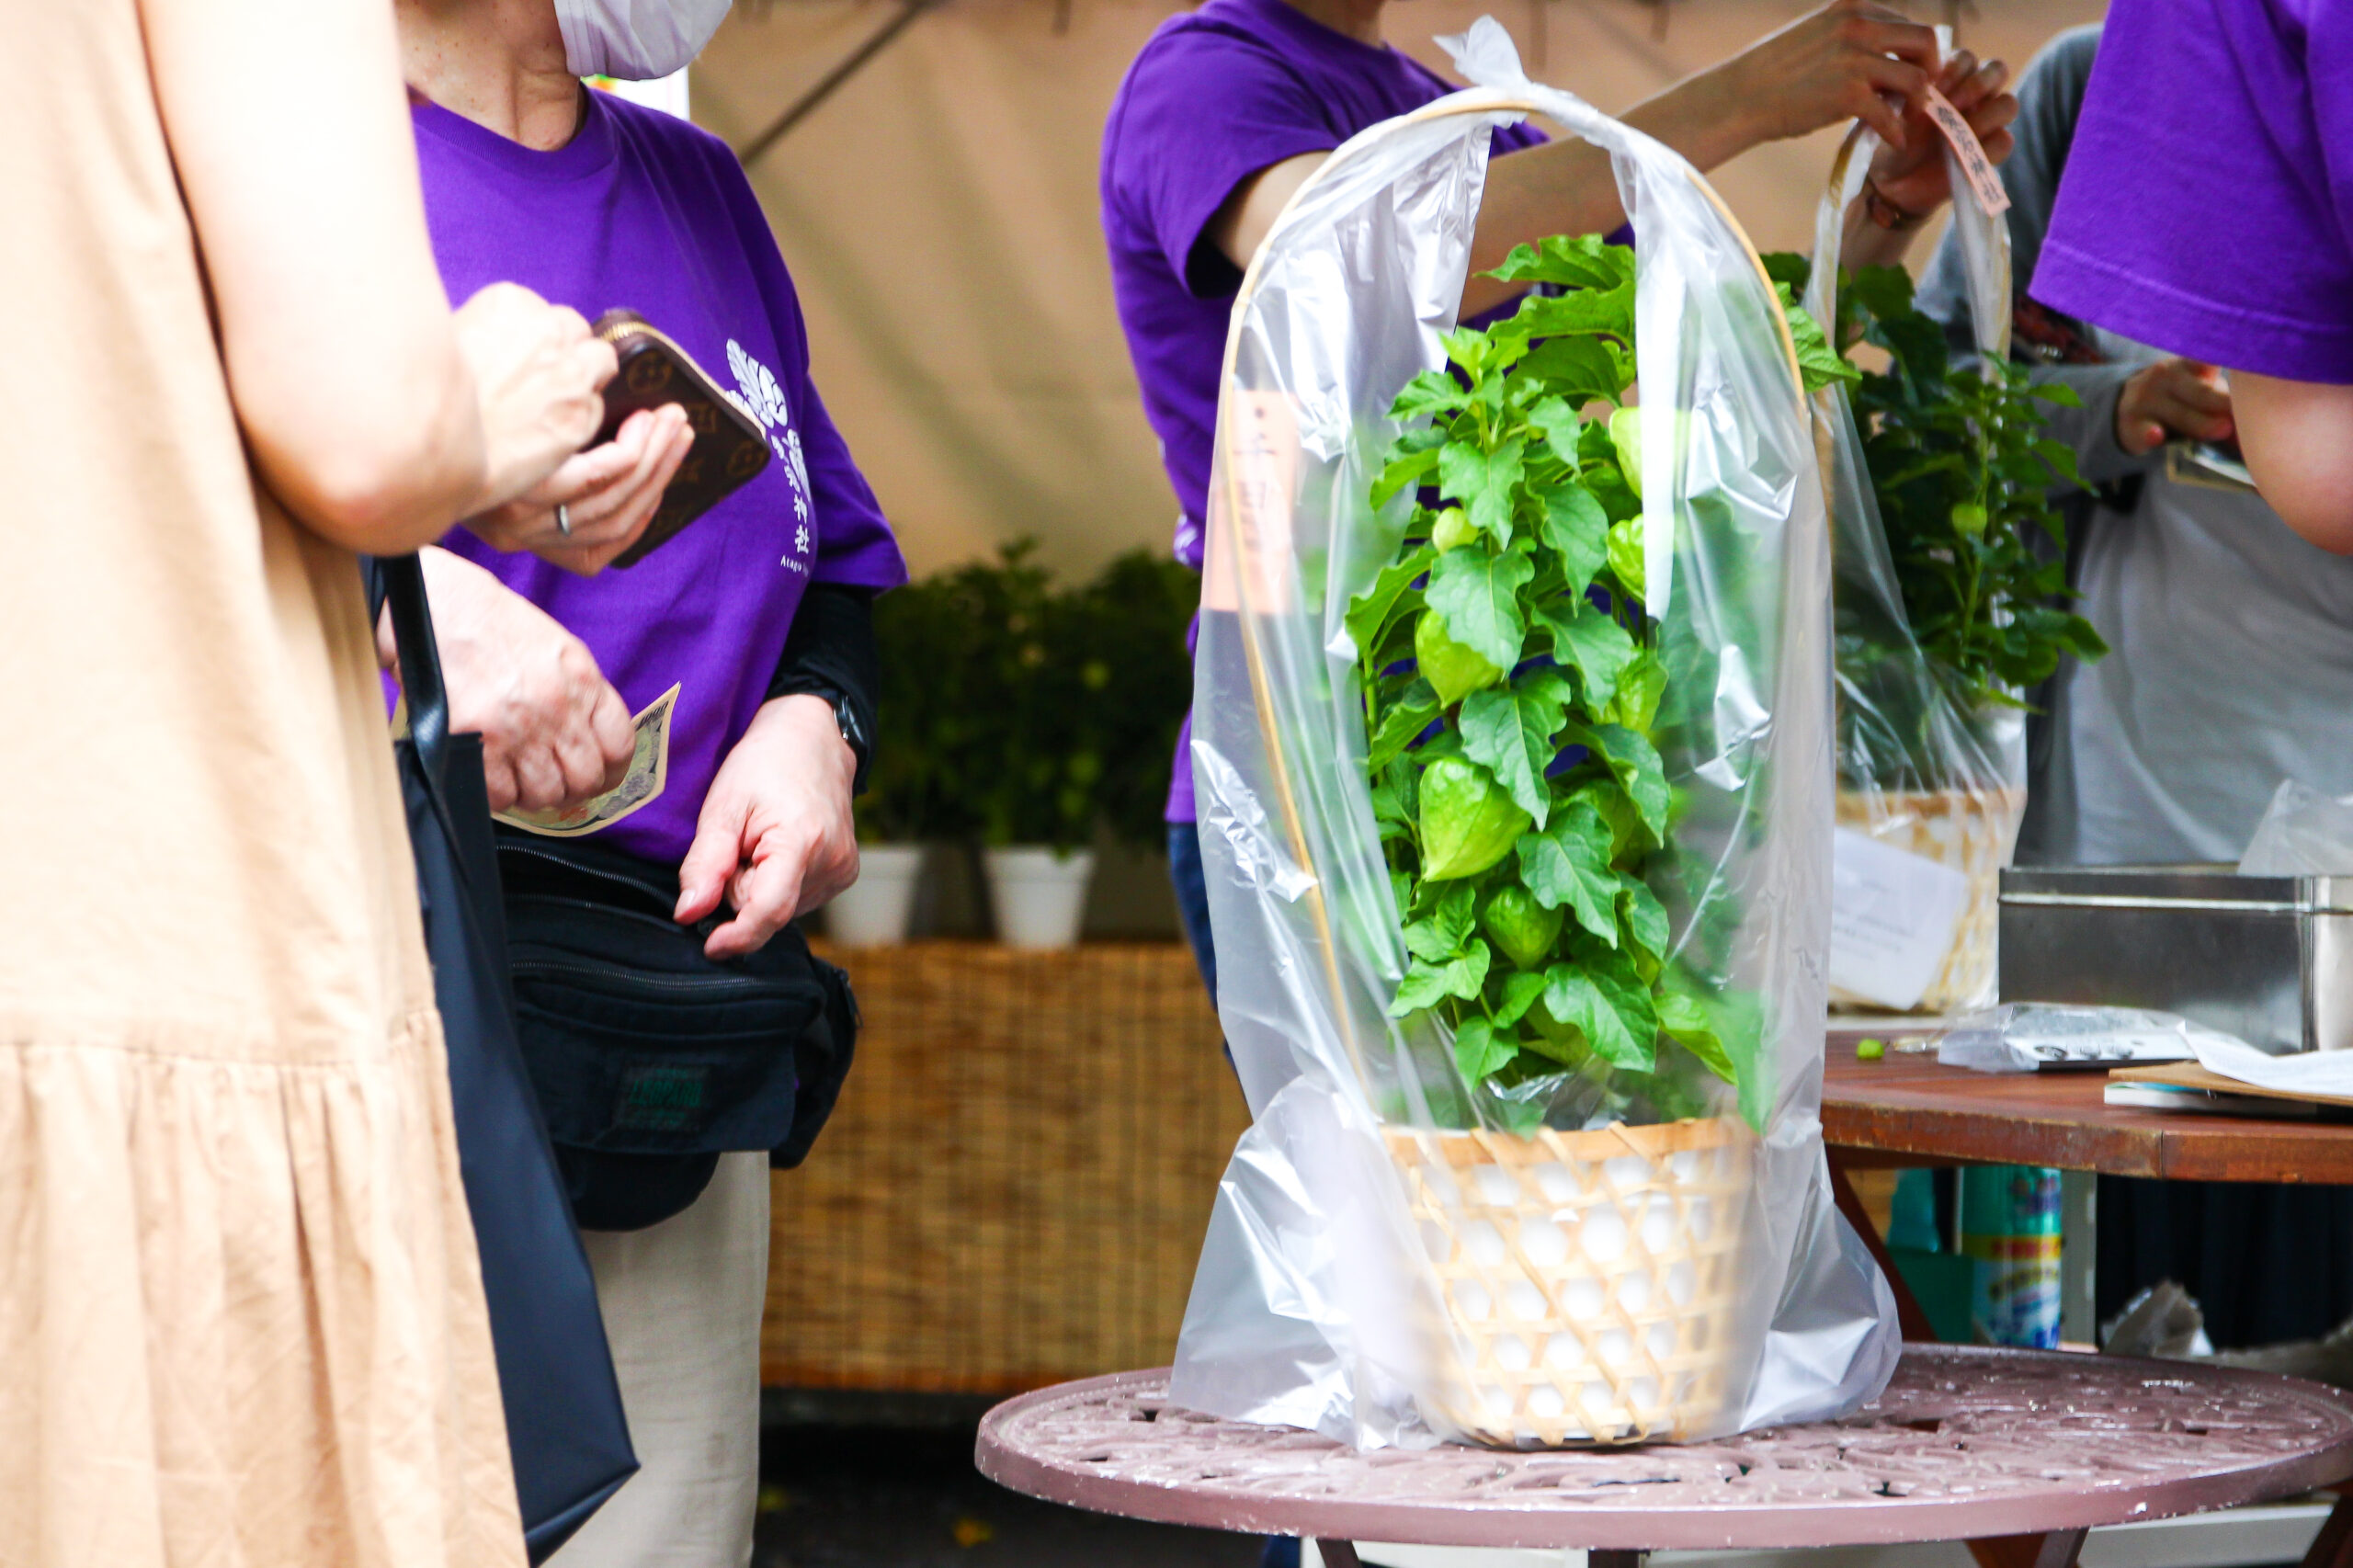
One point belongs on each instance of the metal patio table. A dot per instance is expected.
(2034, 1447)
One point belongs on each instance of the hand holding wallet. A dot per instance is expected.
(730, 448)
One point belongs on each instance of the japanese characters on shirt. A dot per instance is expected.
(763, 399)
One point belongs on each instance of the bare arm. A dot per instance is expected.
(1831, 65)
(2298, 437)
(290, 131)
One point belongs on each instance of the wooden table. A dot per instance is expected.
(1907, 1111)
(2021, 1444)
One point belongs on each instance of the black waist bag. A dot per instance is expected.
(651, 1060)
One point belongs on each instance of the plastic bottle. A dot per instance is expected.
(2010, 1230)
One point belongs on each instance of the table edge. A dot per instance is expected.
(1890, 1521)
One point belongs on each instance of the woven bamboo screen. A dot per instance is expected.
(1014, 1186)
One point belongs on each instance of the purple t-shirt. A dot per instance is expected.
(1216, 95)
(643, 211)
(2207, 208)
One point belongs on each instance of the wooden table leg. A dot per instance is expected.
(1615, 1558)
(2333, 1548)
(1909, 1314)
(1338, 1553)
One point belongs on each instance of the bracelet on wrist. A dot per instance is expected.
(1886, 214)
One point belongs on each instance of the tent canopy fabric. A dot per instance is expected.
(938, 213)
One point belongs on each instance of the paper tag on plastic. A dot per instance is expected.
(1893, 917)
(1258, 484)
(1969, 153)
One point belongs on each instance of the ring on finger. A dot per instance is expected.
(563, 520)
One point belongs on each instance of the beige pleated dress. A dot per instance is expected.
(241, 1314)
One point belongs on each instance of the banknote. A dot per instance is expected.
(649, 769)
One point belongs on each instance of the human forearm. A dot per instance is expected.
(2298, 437)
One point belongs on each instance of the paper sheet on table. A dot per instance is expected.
(2313, 1072)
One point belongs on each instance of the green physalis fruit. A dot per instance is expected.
(1469, 821)
(1453, 671)
(1521, 927)
(1626, 435)
(1969, 520)
(1452, 529)
(1553, 1029)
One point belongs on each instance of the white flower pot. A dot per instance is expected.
(1037, 894)
(872, 912)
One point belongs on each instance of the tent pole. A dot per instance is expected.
(806, 105)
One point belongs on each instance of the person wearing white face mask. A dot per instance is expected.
(756, 615)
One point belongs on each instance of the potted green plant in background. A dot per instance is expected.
(928, 723)
(1083, 689)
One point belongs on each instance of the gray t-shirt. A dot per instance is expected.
(2231, 667)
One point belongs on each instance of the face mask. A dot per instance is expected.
(635, 41)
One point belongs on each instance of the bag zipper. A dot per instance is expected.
(591, 977)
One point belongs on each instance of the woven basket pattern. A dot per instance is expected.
(1013, 1187)
(1592, 1275)
(1973, 833)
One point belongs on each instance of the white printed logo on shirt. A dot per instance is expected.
(764, 400)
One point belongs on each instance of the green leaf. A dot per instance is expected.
(1819, 365)
(1427, 984)
(1567, 866)
(1575, 526)
(1683, 1020)
(1645, 916)
(1587, 261)
(1614, 1018)
(1634, 762)
(1788, 269)
(1555, 419)
(2058, 393)
(1468, 820)
(1585, 639)
(1478, 595)
(1399, 726)
(1581, 312)
(1480, 1049)
(1511, 732)
(1484, 482)
(1432, 391)
(1581, 369)
(1520, 992)
(1412, 468)
(1452, 670)
(2060, 457)
(1391, 595)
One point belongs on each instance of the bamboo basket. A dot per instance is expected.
(1972, 831)
(1592, 1276)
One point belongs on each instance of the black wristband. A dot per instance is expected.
(830, 653)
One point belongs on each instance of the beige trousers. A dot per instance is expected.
(682, 1306)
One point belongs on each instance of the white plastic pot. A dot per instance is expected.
(873, 911)
(1037, 894)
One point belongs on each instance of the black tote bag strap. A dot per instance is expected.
(428, 699)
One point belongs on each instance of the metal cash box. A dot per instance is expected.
(2267, 958)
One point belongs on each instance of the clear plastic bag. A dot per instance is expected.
(1387, 1262)
(1930, 796)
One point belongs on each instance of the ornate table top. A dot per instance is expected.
(1965, 1443)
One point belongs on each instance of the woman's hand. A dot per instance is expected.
(2172, 397)
(537, 371)
(554, 732)
(775, 836)
(1841, 63)
(609, 493)
(1913, 176)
